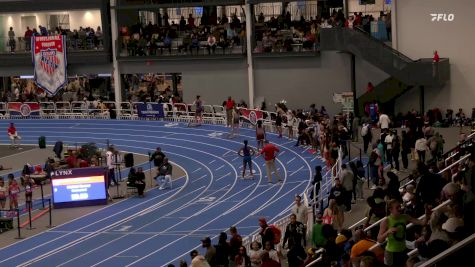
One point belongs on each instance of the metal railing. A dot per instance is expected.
(408, 71)
(449, 251)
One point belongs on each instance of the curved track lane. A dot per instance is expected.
(166, 225)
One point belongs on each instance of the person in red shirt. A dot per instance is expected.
(270, 151)
(229, 111)
(267, 261)
(436, 57)
(13, 134)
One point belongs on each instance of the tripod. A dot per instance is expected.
(119, 179)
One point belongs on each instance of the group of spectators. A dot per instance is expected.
(82, 38)
(268, 251)
(142, 40)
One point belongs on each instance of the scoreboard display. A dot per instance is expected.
(79, 187)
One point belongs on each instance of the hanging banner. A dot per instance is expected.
(49, 61)
(251, 115)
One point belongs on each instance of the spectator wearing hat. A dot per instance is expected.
(361, 246)
(210, 254)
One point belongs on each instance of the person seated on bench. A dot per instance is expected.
(164, 175)
(137, 179)
(13, 134)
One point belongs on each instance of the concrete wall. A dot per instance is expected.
(302, 81)
(299, 80)
(84, 18)
(418, 36)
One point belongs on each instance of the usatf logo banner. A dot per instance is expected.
(251, 115)
(49, 60)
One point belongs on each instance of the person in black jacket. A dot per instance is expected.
(405, 149)
(295, 238)
(316, 182)
(265, 232)
(222, 251)
(157, 157)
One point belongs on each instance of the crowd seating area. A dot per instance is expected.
(84, 38)
(184, 38)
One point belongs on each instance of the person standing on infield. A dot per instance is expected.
(270, 152)
(246, 152)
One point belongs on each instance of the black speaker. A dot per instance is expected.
(129, 160)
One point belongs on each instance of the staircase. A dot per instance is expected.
(405, 73)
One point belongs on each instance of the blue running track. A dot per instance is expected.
(166, 225)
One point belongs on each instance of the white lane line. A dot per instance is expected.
(219, 168)
(211, 162)
(223, 176)
(294, 172)
(292, 159)
(292, 151)
(196, 170)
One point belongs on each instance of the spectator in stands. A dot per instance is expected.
(367, 136)
(270, 152)
(394, 229)
(222, 250)
(211, 44)
(11, 40)
(360, 249)
(346, 178)
(234, 243)
(28, 35)
(393, 186)
(266, 233)
(255, 254)
(268, 261)
(273, 254)
(295, 238)
(191, 21)
(388, 142)
(376, 210)
(338, 193)
(242, 259)
(316, 182)
(13, 135)
(421, 148)
(317, 232)
(210, 254)
(299, 210)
